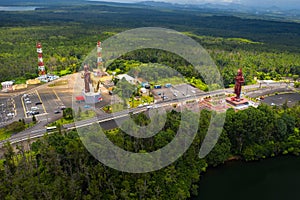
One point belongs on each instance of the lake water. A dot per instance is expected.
(271, 179)
(17, 8)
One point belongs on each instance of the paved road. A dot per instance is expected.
(39, 130)
(52, 100)
(125, 113)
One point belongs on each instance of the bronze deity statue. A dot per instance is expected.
(87, 79)
(239, 80)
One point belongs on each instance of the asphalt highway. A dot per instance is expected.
(39, 129)
(52, 99)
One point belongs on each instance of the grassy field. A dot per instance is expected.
(87, 114)
(113, 108)
(4, 134)
(59, 83)
(12, 128)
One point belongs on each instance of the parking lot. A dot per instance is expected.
(52, 100)
(48, 101)
(280, 99)
(175, 92)
(32, 104)
(7, 108)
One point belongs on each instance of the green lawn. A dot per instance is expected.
(61, 121)
(86, 114)
(113, 108)
(142, 100)
(4, 134)
(59, 83)
(132, 102)
(9, 129)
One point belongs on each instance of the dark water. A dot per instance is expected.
(275, 178)
(17, 8)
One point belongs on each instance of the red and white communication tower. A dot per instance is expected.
(99, 60)
(99, 53)
(41, 66)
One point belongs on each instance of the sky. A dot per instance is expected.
(286, 4)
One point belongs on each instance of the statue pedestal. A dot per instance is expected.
(233, 101)
(91, 97)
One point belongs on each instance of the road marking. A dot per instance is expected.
(15, 108)
(36, 131)
(56, 95)
(43, 114)
(24, 108)
(103, 120)
(41, 101)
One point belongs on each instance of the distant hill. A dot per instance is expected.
(38, 2)
(272, 12)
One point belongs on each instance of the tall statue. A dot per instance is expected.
(90, 78)
(239, 80)
(87, 79)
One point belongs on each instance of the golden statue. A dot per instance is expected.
(90, 78)
(95, 82)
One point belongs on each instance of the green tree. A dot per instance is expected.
(220, 152)
(79, 112)
(68, 113)
(33, 118)
(295, 77)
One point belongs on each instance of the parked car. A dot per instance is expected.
(10, 114)
(38, 103)
(35, 112)
(27, 102)
(56, 111)
(87, 106)
(34, 108)
(168, 85)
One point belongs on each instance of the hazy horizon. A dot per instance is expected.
(284, 4)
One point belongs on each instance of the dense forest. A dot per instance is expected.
(59, 166)
(266, 49)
